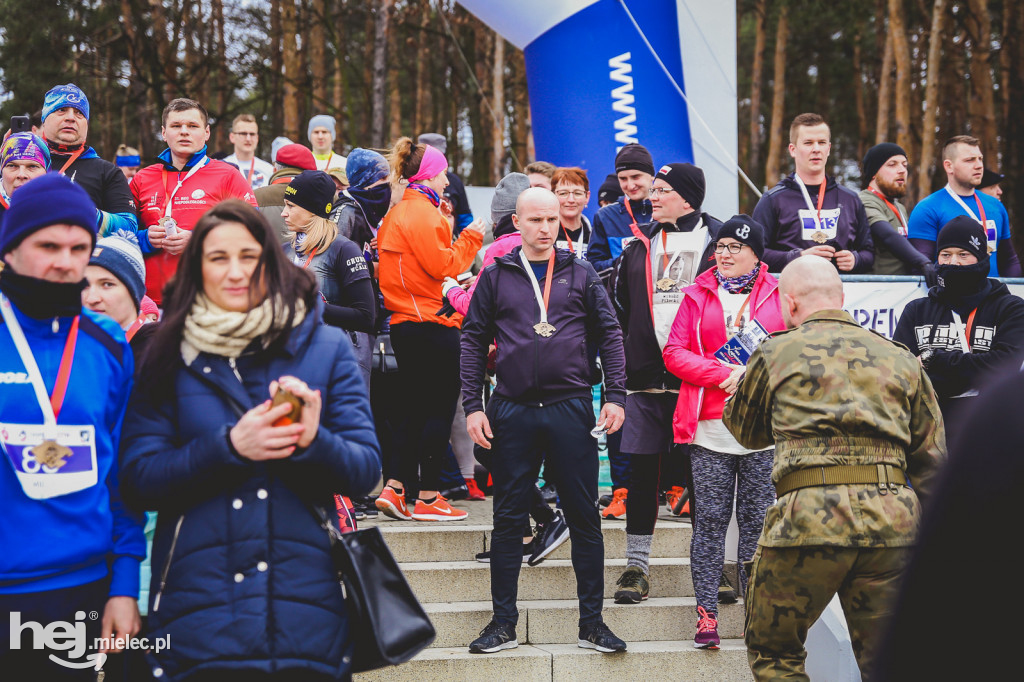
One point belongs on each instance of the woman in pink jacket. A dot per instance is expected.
(734, 297)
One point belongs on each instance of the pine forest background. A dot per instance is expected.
(909, 71)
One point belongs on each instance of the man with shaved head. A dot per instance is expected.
(540, 306)
(854, 421)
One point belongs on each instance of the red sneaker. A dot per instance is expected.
(393, 504)
(438, 510)
(617, 509)
(474, 490)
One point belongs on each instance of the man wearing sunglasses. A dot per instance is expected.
(648, 289)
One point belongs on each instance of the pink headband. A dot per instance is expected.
(433, 163)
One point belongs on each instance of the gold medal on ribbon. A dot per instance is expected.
(819, 237)
(544, 329)
(51, 454)
(991, 249)
(665, 284)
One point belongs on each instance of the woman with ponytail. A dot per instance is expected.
(337, 263)
(416, 254)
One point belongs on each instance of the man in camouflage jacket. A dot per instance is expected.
(831, 395)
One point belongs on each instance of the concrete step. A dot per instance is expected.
(460, 581)
(567, 662)
(429, 542)
(554, 621)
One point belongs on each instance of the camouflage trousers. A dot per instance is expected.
(789, 588)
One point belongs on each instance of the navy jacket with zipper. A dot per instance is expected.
(645, 367)
(240, 565)
(777, 211)
(532, 369)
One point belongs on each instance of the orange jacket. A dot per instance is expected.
(416, 254)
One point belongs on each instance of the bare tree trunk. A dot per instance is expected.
(498, 105)
(901, 55)
(884, 92)
(340, 76)
(981, 103)
(756, 83)
(931, 99)
(276, 69)
(290, 56)
(520, 106)
(217, 10)
(380, 75)
(858, 98)
(777, 137)
(168, 54)
(318, 40)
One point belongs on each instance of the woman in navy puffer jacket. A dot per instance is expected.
(243, 583)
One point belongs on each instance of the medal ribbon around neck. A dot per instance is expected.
(903, 221)
(542, 328)
(181, 181)
(638, 233)
(49, 404)
(964, 206)
(807, 198)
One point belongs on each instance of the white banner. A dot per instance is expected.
(878, 305)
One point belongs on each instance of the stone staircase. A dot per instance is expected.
(455, 590)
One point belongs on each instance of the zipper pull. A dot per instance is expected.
(234, 368)
(56, 325)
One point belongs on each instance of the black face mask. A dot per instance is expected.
(39, 298)
(962, 280)
(375, 201)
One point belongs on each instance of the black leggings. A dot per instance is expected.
(428, 370)
(646, 471)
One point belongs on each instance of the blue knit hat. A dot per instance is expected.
(365, 167)
(61, 96)
(47, 200)
(321, 120)
(120, 254)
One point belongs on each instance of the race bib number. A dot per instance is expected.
(812, 232)
(738, 349)
(991, 234)
(51, 461)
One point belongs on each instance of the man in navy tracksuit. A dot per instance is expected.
(809, 213)
(542, 405)
(69, 552)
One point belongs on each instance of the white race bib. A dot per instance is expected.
(829, 224)
(72, 473)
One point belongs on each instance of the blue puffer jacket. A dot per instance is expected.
(247, 580)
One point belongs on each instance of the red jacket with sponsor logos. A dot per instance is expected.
(151, 187)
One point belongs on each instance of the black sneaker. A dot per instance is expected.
(458, 492)
(549, 537)
(604, 500)
(634, 586)
(598, 636)
(495, 637)
(549, 493)
(726, 593)
(485, 557)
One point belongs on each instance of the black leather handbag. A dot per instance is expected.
(383, 354)
(386, 622)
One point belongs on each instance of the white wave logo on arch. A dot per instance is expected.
(588, 69)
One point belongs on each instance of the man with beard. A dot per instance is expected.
(963, 162)
(968, 325)
(809, 213)
(884, 179)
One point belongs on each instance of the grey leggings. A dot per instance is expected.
(715, 478)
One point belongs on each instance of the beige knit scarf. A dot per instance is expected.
(211, 329)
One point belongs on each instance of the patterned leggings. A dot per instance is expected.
(716, 476)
